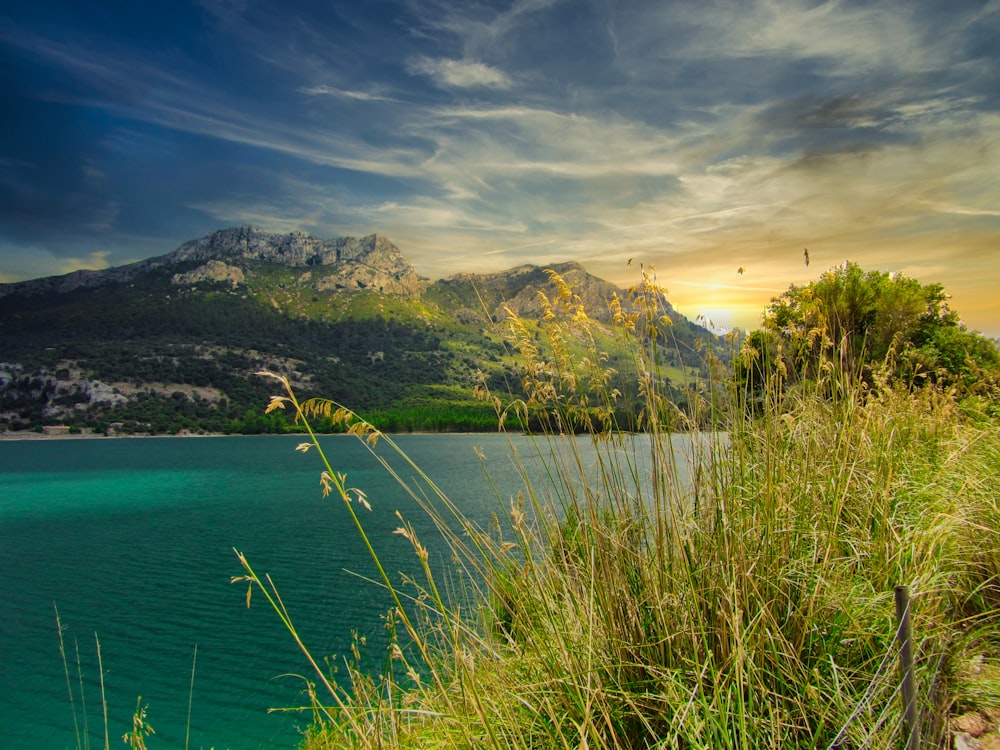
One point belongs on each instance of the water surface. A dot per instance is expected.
(133, 541)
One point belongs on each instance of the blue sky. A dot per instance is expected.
(693, 137)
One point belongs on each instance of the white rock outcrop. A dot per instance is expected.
(213, 270)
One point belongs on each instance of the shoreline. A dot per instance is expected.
(15, 436)
(27, 435)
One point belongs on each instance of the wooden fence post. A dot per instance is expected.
(911, 713)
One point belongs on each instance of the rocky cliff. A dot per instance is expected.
(213, 270)
(341, 264)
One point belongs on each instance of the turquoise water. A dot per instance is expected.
(133, 540)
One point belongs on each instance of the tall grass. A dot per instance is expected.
(135, 738)
(739, 596)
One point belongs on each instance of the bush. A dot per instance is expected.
(869, 324)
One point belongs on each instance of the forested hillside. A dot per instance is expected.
(173, 344)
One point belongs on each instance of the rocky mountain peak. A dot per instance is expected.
(291, 249)
(518, 288)
(343, 263)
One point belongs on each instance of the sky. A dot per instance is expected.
(695, 139)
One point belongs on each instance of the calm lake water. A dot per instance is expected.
(133, 541)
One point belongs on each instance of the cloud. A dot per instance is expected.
(30, 261)
(94, 261)
(477, 28)
(951, 208)
(849, 39)
(104, 217)
(481, 144)
(458, 73)
(324, 90)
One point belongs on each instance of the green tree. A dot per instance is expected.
(863, 323)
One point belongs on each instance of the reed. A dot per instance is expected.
(739, 596)
(135, 738)
(81, 730)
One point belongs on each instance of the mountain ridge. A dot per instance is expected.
(171, 343)
(373, 251)
(346, 264)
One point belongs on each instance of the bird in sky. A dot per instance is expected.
(805, 256)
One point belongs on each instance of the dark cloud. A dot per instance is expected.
(831, 124)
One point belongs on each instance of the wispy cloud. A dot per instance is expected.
(478, 29)
(458, 73)
(92, 262)
(38, 261)
(364, 96)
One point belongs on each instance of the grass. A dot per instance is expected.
(737, 597)
(135, 738)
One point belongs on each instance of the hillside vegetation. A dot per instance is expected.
(173, 343)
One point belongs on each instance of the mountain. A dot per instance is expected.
(346, 263)
(171, 343)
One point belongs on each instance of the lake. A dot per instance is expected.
(132, 540)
